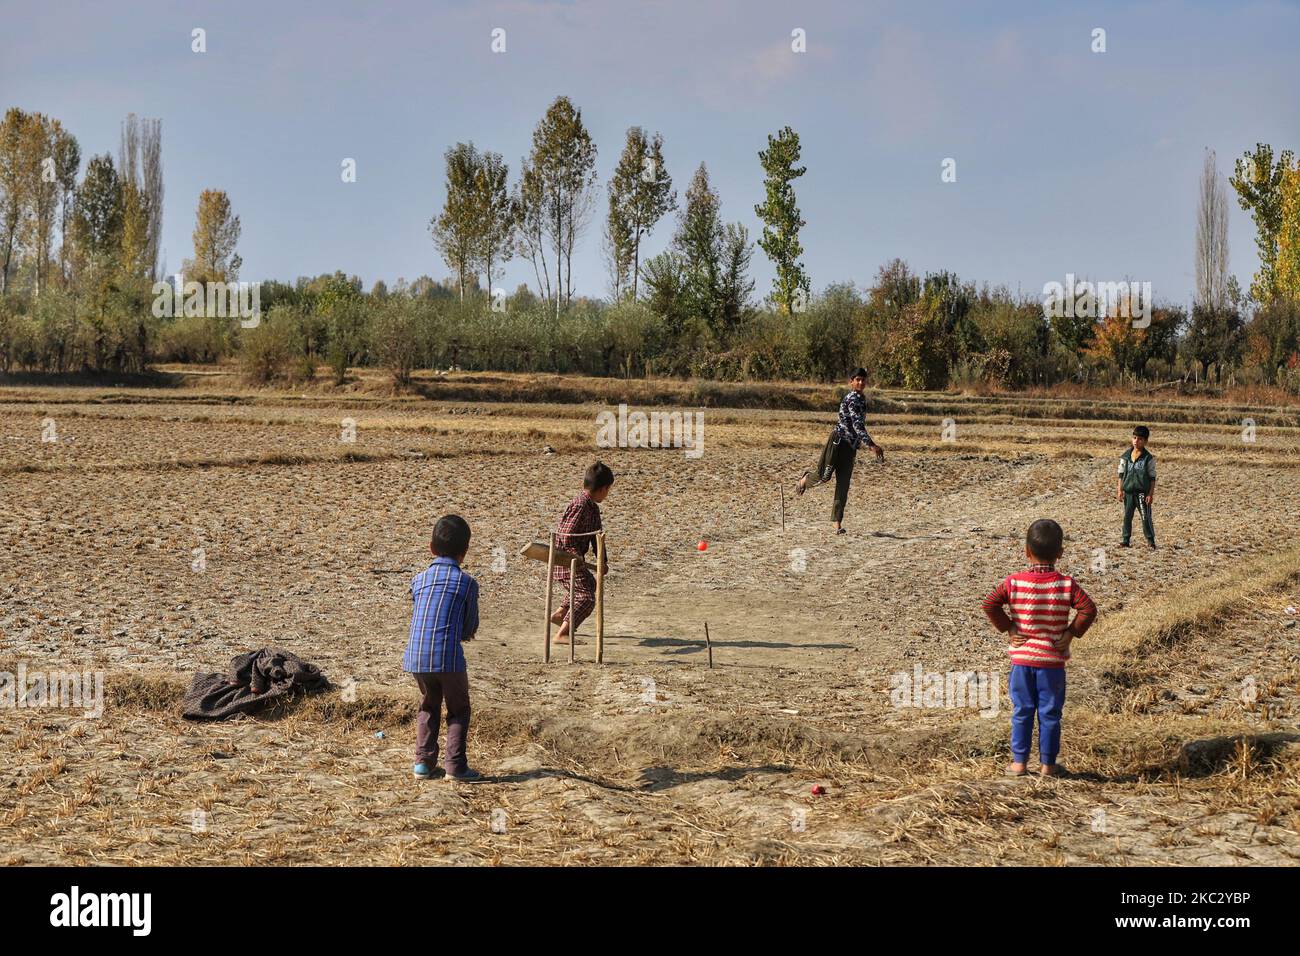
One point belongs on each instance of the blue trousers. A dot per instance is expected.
(1039, 690)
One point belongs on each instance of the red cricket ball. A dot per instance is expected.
(702, 546)
(818, 789)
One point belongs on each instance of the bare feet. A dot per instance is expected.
(1048, 770)
(1015, 770)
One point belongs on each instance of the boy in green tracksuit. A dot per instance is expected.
(1137, 485)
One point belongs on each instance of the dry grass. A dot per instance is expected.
(1170, 764)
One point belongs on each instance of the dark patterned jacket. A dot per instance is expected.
(852, 425)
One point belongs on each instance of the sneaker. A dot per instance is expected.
(422, 771)
(469, 776)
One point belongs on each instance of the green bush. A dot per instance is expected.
(193, 339)
(399, 337)
(267, 353)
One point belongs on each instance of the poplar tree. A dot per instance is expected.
(781, 219)
(560, 175)
(698, 241)
(15, 185)
(456, 231)
(1258, 181)
(216, 235)
(640, 194)
(495, 214)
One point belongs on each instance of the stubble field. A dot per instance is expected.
(166, 530)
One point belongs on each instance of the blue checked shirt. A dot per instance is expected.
(445, 613)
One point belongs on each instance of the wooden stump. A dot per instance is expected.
(550, 564)
(573, 637)
(600, 598)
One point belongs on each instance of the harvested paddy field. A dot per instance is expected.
(156, 532)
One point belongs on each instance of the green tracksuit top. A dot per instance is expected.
(1137, 475)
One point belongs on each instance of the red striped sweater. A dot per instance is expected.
(1040, 599)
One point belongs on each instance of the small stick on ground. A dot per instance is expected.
(708, 644)
(573, 636)
(780, 488)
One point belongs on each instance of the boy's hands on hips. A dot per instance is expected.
(1016, 638)
(1063, 641)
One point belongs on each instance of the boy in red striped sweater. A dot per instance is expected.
(1040, 633)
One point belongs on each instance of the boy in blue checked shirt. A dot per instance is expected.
(444, 615)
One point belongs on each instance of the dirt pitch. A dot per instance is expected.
(166, 530)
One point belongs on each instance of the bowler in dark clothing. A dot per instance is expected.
(849, 435)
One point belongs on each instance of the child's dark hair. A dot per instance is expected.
(1142, 432)
(858, 372)
(1043, 539)
(597, 476)
(451, 536)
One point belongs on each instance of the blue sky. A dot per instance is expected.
(1067, 160)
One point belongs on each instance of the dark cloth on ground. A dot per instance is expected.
(254, 681)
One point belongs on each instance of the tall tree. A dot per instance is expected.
(15, 186)
(735, 287)
(1288, 237)
(140, 165)
(698, 241)
(43, 133)
(1258, 182)
(1212, 238)
(706, 273)
(496, 214)
(97, 214)
(780, 217)
(617, 239)
(640, 194)
(133, 258)
(530, 219)
(456, 230)
(616, 247)
(561, 174)
(216, 236)
(67, 164)
(97, 239)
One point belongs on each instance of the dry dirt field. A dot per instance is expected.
(1182, 727)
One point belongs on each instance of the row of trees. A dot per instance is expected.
(80, 251)
(485, 221)
(913, 331)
